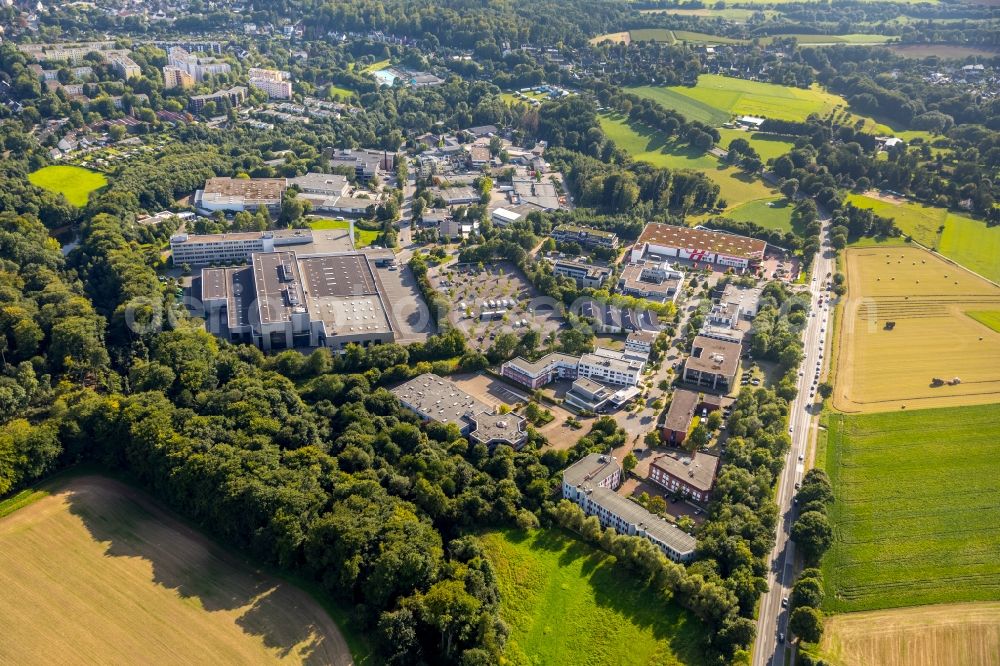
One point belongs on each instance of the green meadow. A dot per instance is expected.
(566, 602)
(715, 99)
(73, 182)
(989, 318)
(960, 238)
(735, 187)
(917, 511)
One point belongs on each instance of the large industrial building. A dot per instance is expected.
(434, 398)
(282, 301)
(591, 482)
(699, 245)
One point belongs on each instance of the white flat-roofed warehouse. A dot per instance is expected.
(283, 301)
(699, 245)
(435, 398)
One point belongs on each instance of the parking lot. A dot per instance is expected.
(497, 299)
(408, 307)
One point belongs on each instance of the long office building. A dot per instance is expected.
(603, 365)
(591, 482)
(283, 301)
(234, 248)
(699, 245)
(585, 236)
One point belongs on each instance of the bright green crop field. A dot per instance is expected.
(568, 603)
(917, 512)
(964, 240)
(718, 98)
(73, 182)
(990, 318)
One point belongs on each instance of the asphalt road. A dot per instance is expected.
(773, 618)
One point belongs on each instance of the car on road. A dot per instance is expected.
(802, 456)
(797, 484)
(784, 602)
(781, 637)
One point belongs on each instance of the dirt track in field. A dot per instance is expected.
(947, 634)
(98, 573)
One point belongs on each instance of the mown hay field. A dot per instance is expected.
(566, 602)
(94, 571)
(967, 634)
(916, 517)
(882, 366)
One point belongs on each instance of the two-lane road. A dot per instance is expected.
(773, 616)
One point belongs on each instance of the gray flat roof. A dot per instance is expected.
(714, 356)
(537, 366)
(278, 283)
(439, 399)
(592, 467)
(342, 291)
(214, 283)
(499, 427)
(657, 527)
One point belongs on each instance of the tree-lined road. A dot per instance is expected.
(773, 617)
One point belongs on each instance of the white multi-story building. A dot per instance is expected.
(235, 248)
(196, 66)
(236, 194)
(591, 482)
(274, 82)
(604, 365)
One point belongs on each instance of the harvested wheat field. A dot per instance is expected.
(96, 573)
(905, 337)
(959, 634)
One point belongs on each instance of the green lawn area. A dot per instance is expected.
(362, 237)
(917, 511)
(964, 240)
(568, 603)
(643, 144)
(715, 99)
(690, 108)
(989, 318)
(375, 66)
(648, 145)
(73, 182)
(768, 146)
(771, 213)
(704, 38)
(344, 93)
